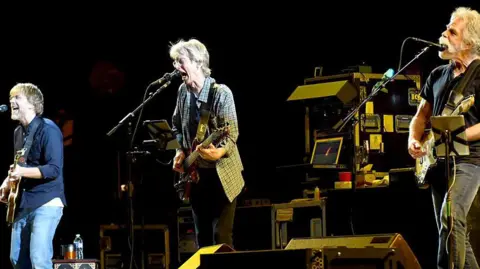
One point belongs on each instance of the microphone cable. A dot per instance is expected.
(401, 56)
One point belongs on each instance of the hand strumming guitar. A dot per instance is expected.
(211, 153)
(13, 175)
(4, 189)
(178, 160)
(415, 149)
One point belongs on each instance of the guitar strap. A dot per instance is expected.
(20, 141)
(456, 95)
(205, 109)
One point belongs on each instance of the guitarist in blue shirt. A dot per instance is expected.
(40, 201)
(462, 36)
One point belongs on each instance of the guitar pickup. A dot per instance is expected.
(370, 123)
(402, 123)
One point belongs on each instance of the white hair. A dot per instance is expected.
(471, 34)
(195, 51)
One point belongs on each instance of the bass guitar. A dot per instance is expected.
(14, 189)
(425, 163)
(190, 175)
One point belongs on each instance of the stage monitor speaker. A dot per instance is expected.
(75, 264)
(377, 241)
(194, 261)
(328, 258)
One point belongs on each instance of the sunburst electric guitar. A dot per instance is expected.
(14, 189)
(190, 175)
(425, 163)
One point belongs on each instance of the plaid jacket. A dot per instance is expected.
(229, 167)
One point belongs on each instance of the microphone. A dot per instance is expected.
(441, 47)
(3, 108)
(387, 75)
(166, 77)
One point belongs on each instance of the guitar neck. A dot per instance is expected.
(191, 159)
(194, 155)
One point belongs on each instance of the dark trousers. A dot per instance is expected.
(213, 214)
(463, 192)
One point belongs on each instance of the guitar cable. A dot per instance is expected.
(351, 217)
(131, 240)
(162, 163)
(449, 190)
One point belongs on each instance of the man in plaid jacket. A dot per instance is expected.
(213, 197)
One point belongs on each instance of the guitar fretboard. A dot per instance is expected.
(194, 155)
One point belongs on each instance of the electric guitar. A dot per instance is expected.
(425, 163)
(190, 175)
(14, 189)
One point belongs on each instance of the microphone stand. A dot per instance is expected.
(343, 122)
(132, 159)
(132, 114)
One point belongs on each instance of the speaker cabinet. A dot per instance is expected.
(153, 239)
(394, 243)
(75, 264)
(328, 258)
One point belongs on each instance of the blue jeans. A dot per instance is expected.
(463, 192)
(32, 237)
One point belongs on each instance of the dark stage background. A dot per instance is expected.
(98, 65)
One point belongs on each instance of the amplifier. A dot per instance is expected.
(151, 239)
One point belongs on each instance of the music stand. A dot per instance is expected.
(450, 140)
(161, 134)
(163, 139)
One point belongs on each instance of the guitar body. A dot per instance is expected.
(190, 174)
(425, 163)
(191, 170)
(14, 187)
(12, 201)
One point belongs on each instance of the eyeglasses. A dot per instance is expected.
(179, 61)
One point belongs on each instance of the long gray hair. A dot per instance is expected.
(195, 51)
(471, 34)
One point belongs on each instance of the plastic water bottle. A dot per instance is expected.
(78, 243)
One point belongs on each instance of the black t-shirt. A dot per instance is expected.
(436, 91)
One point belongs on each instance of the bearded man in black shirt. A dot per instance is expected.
(462, 37)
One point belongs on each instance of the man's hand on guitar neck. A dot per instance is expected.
(178, 160)
(211, 153)
(415, 149)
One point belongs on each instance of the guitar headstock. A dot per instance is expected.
(217, 135)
